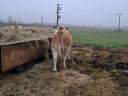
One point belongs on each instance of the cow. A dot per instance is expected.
(61, 43)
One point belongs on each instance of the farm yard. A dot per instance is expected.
(63, 48)
(98, 66)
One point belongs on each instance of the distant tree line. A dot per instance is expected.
(9, 22)
(12, 22)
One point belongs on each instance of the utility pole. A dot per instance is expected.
(119, 15)
(42, 21)
(58, 16)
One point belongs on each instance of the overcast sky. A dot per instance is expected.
(77, 12)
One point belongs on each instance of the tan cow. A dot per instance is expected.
(61, 45)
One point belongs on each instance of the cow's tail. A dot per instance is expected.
(60, 33)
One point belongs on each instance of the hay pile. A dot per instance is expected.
(10, 35)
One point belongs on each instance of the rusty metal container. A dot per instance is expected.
(17, 54)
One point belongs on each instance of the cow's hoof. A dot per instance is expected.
(54, 70)
(65, 67)
(69, 58)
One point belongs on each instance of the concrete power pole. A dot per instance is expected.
(58, 16)
(119, 23)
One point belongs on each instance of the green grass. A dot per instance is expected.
(101, 38)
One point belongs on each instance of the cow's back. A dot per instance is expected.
(54, 41)
(66, 38)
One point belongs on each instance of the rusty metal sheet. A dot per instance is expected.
(15, 55)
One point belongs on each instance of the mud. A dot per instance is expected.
(90, 72)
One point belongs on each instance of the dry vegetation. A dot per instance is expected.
(10, 35)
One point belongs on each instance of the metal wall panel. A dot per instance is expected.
(17, 54)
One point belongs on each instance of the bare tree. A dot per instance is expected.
(42, 21)
(1, 21)
(11, 21)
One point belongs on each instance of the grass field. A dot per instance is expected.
(101, 38)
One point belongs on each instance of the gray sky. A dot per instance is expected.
(77, 12)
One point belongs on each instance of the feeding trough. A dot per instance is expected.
(14, 54)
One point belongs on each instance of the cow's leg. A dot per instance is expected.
(65, 56)
(54, 52)
(60, 55)
(69, 52)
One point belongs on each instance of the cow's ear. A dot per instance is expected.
(61, 28)
(54, 27)
(66, 28)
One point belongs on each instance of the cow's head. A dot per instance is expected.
(60, 32)
(61, 28)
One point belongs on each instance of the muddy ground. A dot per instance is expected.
(91, 71)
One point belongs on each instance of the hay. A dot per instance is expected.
(17, 35)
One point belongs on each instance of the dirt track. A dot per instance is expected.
(89, 73)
